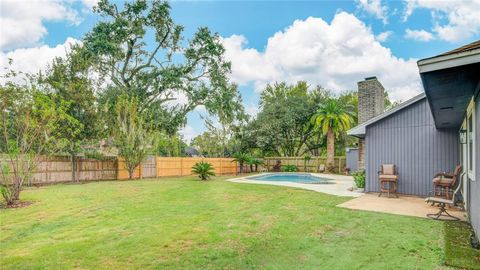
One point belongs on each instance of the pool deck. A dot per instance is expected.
(339, 187)
(403, 205)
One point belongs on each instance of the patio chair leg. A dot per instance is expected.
(442, 212)
(396, 189)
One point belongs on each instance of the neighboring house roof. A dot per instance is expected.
(360, 130)
(191, 151)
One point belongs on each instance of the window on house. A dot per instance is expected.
(471, 141)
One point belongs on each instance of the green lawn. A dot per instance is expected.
(183, 223)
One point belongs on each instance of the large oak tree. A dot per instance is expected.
(139, 50)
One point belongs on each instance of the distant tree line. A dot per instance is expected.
(294, 120)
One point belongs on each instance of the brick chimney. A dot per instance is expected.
(370, 104)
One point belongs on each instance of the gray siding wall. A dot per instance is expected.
(474, 196)
(352, 159)
(410, 140)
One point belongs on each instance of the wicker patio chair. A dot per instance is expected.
(388, 178)
(443, 183)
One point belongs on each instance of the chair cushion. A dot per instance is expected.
(439, 200)
(388, 177)
(442, 181)
(388, 169)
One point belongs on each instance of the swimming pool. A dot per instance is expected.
(304, 178)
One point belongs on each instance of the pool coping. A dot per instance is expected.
(338, 187)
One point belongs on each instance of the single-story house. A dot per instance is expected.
(429, 133)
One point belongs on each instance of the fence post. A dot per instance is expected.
(181, 166)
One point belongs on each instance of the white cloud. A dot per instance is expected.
(22, 24)
(252, 110)
(335, 55)
(420, 35)
(375, 8)
(188, 133)
(253, 65)
(452, 20)
(90, 3)
(33, 60)
(384, 36)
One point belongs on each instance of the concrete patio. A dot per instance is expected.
(404, 205)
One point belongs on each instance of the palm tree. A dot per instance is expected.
(306, 159)
(203, 169)
(251, 162)
(257, 162)
(331, 119)
(241, 158)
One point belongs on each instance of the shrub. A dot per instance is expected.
(130, 133)
(359, 178)
(203, 169)
(290, 168)
(241, 158)
(257, 162)
(31, 125)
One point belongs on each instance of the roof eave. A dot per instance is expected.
(448, 61)
(358, 131)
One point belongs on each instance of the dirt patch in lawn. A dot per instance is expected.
(19, 204)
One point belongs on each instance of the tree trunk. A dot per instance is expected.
(16, 192)
(251, 167)
(256, 167)
(330, 149)
(130, 173)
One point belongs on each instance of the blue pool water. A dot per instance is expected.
(292, 177)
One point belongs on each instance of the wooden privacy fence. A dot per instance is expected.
(176, 166)
(183, 166)
(59, 169)
(312, 165)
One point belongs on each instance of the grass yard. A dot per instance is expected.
(458, 251)
(183, 223)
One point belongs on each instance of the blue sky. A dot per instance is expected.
(334, 44)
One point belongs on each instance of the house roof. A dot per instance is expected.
(465, 55)
(469, 47)
(450, 80)
(360, 130)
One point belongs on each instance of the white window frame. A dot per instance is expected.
(471, 113)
